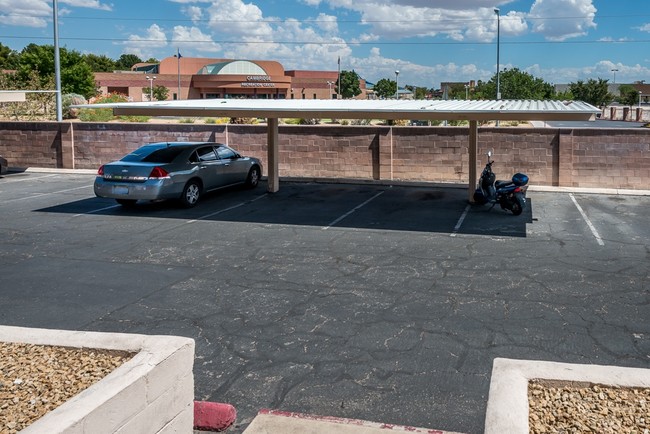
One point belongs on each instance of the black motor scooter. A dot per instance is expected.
(511, 195)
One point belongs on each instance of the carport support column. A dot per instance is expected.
(272, 158)
(473, 149)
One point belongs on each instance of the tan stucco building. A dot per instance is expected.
(205, 78)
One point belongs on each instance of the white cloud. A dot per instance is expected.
(327, 23)
(194, 12)
(238, 19)
(645, 28)
(194, 39)
(91, 4)
(375, 67)
(145, 46)
(29, 13)
(38, 13)
(549, 18)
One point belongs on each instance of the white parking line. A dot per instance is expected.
(225, 209)
(30, 178)
(37, 195)
(460, 221)
(352, 210)
(584, 216)
(97, 210)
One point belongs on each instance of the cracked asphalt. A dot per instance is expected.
(371, 302)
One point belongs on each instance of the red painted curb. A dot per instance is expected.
(213, 416)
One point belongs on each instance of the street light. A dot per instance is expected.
(396, 85)
(57, 62)
(614, 71)
(496, 11)
(151, 79)
(639, 99)
(329, 85)
(467, 91)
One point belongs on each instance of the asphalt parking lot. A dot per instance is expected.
(383, 303)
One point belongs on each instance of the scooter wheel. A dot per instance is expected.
(519, 204)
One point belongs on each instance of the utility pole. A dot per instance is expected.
(57, 63)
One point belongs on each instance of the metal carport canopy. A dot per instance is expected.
(274, 109)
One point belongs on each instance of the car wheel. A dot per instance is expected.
(126, 203)
(253, 177)
(191, 193)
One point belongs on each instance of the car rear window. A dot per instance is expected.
(151, 154)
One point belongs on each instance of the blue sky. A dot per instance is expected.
(427, 41)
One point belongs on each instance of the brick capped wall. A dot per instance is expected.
(613, 158)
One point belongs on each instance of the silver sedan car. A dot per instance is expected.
(175, 170)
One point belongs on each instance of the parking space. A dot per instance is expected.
(375, 302)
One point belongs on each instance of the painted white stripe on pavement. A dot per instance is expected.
(353, 210)
(584, 216)
(460, 221)
(225, 209)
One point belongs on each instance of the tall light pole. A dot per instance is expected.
(329, 85)
(396, 85)
(614, 71)
(57, 62)
(467, 91)
(496, 11)
(151, 79)
(639, 99)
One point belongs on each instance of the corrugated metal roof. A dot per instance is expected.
(363, 109)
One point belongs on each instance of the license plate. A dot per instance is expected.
(120, 190)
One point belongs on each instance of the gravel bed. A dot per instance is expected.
(35, 379)
(567, 408)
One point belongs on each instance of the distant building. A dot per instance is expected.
(204, 78)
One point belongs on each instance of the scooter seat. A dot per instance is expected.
(502, 183)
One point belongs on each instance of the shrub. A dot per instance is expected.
(241, 121)
(186, 121)
(101, 115)
(71, 99)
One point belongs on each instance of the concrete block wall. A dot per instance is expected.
(153, 393)
(585, 157)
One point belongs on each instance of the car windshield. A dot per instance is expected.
(154, 154)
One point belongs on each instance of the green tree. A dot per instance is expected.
(594, 92)
(76, 75)
(628, 95)
(8, 58)
(100, 63)
(126, 61)
(385, 88)
(160, 93)
(458, 91)
(515, 84)
(349, 84)
(420, 92)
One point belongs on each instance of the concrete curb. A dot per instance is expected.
(275, 421)
(507, 408)
(151, 393)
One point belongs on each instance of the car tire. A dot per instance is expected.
(253, 177)
(191, 193)
(126, 203)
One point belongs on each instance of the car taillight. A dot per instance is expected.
(158, 172)
(100, 171)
